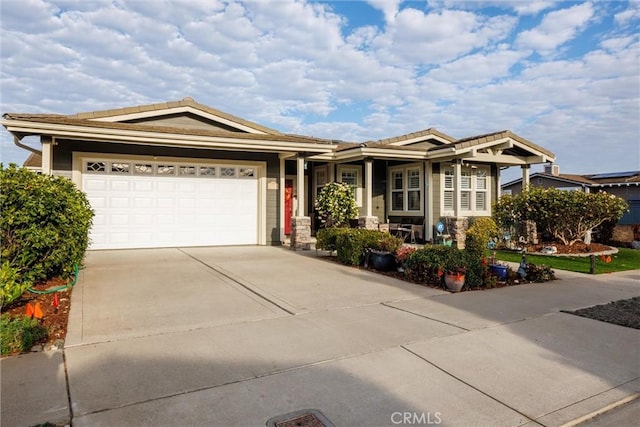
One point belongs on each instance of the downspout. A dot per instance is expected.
(17, 140)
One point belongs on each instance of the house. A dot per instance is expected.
(622, 184)
(185, 174)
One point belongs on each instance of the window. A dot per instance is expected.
(406, 189)
(352, 176)
(474, 190)
(481, 190)
(320, 178)
(397, 191)
(449, 189)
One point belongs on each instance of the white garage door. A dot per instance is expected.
(143, 204)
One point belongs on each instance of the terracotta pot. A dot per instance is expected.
(454, 282)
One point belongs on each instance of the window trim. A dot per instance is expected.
(358, 170)
(473, 190)
(405, 189)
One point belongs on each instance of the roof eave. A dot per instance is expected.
(126, 136)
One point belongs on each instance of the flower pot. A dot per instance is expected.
(500, 271)
(454, 281)
(382, 260)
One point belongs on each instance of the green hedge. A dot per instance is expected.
(351, 244)
(44, 229)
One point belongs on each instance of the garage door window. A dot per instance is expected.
(164, 169)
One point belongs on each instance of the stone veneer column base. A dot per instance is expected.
(368, 222)
(300, 233)
(457, 226)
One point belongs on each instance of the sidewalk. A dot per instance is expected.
(501, 357)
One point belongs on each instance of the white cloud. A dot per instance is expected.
(388, 7)
(632, 13)
(422, 38)
(556, 28)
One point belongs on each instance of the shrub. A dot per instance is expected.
(539, 273)
(427, 265)
(352, 244)
(336, 205)
(44, 228)
(326, 238)
(403, 253)
(19, 334)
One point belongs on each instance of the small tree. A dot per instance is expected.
(566, 215)
(336, 205)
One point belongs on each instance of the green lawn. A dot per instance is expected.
(625, 259)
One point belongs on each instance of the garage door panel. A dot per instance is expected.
(160, 210)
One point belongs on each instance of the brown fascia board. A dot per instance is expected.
(72, 121)
(481, 139)
(186, 102)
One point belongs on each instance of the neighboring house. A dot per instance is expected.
(622, 184)
(184, 174)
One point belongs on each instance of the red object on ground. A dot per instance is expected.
(56, 301)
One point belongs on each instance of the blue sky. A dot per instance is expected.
(565, 75)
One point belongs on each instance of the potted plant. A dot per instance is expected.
(382, 252)
(454, 268)
(454, 279)
(499, 270)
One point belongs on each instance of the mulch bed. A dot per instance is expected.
(54, 319)
(578, 248)
(624, 312)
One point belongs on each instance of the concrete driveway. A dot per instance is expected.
(234, 336)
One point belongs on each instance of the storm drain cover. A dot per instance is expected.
(303, 418)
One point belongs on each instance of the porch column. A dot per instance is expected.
(525, 176)
(281, 186)
(457, 184)
(47, 156)
(428, 200)
(368, 220)
(300, 224)
(368, 183)
(300, 185)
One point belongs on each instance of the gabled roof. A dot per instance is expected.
(163, 108)
(55, 119)
(473, 141)
(419, 136)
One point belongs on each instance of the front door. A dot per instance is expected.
(288, 205)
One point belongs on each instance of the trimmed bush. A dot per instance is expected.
(326, 237)
(428, 264)
(481, 231)
(352, 243)
(44, 228)
(19, 334)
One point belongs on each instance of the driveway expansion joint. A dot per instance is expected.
(238, 282)
(424, 317)
(468, 384)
